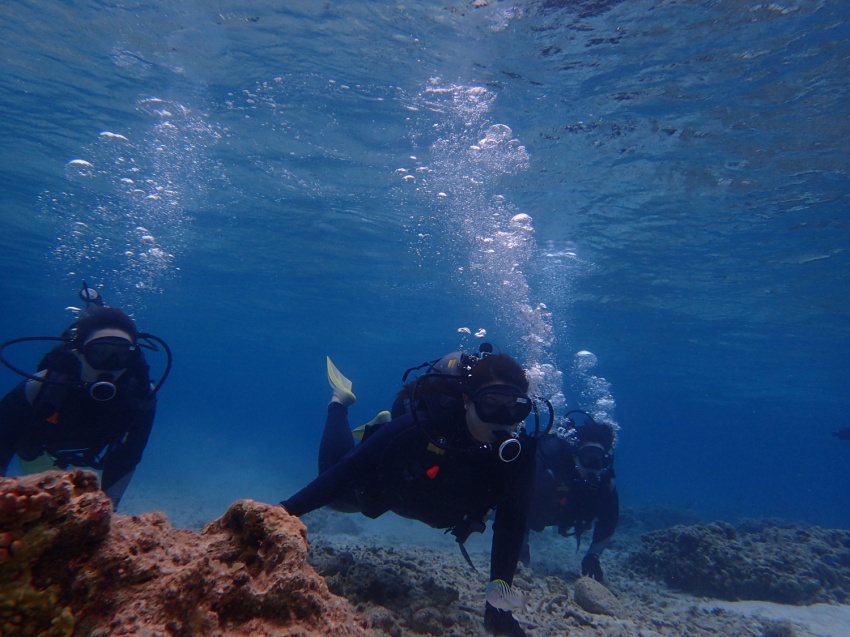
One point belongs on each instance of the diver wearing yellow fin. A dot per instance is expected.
(455, 450)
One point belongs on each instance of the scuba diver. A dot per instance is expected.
(575, 486)
(90, 403)
(454, 449)
(842, 434)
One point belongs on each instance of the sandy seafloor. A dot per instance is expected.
(412, 580)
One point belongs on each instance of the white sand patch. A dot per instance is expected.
(818, 620)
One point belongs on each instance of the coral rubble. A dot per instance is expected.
(755, 561)
(70, 567)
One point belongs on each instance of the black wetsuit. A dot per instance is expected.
(562, 498)
(398, 469)
(64, 421)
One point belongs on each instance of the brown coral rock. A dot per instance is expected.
(86, 572)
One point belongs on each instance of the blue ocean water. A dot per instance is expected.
(646, 202)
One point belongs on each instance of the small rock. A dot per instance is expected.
(595, 598)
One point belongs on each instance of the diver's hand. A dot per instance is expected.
(500, 622)
(591, 568)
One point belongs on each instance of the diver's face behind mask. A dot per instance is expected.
(105, 356)
(109, 353)
(493, 414)
(592, 459)
(501, 404)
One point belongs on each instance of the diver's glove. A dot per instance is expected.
(591, 568)
(501, 622)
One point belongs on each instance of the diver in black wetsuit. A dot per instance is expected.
(90, 404)
(575, 486)
(453, 452)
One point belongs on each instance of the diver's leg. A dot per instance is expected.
(337, 441)
(336, 438)
(525, 551)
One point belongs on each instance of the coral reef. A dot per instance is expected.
(396, 592)
(756, 560)
(69, 567)
(413, 588)
(49, 523)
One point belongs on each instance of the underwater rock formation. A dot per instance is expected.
(399, 593)
(69, 567)
(756, 560)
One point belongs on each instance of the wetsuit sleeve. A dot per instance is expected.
(353, 470)
(15, 412)
(552, 456)
(120, 463)
(511, 519)
(608, 516)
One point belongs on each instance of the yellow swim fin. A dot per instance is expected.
(44, 462)
(340, 384)
(382, 417)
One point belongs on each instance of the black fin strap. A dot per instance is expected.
(462, 532)
(465, 554)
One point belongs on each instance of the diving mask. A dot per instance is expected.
(593, 457)
(501, 404)
(109, 352)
